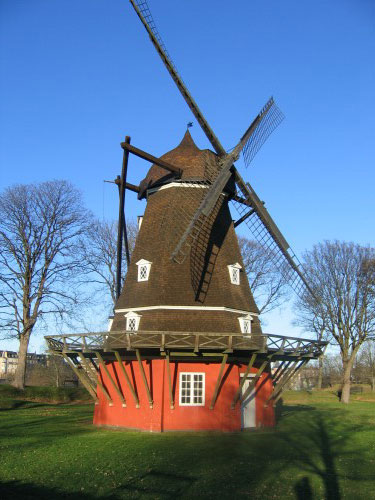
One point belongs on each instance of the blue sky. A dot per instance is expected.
(77, 76)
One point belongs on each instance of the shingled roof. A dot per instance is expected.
(187, 156)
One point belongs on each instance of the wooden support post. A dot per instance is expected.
(285, 365)
(134, 394)
(144, 378)
(279, 390)
(82, 377)
(218, 381)
(256, 378)
(242, 381)
(104, 390)
(171, 397)
(280, 385)
(113, 383)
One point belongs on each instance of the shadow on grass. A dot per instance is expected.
(318, 441)
(154, 482)
(14, 490)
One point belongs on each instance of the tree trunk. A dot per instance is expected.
(320, 373)
(345, 388)
(372, 383)
(20, 373)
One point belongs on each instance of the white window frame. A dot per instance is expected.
(143, 264)
(245, 320)
(132, 317)
(140, 220)
(237, 269)
(191, 389)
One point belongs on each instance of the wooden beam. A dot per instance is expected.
(170, 388)
(104, 390)
(242, 381)
(130, 187)
(244, 217)
(82, 377)
(255, 379)
(151, 403)
(151, 159)
(218, 381)
(132, 390)
(285, 365)
(114, 385)
(279, 389)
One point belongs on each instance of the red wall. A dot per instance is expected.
(161, 417)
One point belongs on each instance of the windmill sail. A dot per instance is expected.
(272, 119)
(266, 233)
(259, 221)
(218, 183)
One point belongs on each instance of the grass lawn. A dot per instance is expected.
(320, 449)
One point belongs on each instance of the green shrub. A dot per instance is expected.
(46, 394)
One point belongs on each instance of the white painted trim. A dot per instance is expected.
(191, 395)
(242, 324)
(191, 184)
(187, 308)
(178, 184)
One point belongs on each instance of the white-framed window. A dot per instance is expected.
(234, 273)
(245, 324)
(140, 220)
(144, 267)
(132, 321)
(192, 389)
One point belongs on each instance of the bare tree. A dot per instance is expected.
(344, 300)
(40, 226)
(366, 363)
(267, 284)
(100, 254)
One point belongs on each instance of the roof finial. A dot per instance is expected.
(190, 124)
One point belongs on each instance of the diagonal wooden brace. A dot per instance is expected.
(256, 378)
(218, 381)
(151, 403)
(104, 390)
(242, 381)
(126, 376)
(113, 383)
(82, 377)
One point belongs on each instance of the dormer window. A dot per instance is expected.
(132, 321)
(234, 273)
(245, 324)
(144, 267)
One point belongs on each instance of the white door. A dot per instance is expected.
(248, 406)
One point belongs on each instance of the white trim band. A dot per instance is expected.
(178, 184)
(187, 308)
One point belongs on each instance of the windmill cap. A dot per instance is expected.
(186, 156)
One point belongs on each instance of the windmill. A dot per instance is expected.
(185, 349)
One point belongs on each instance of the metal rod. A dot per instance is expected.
(85, 382)
(152, 159)
(218, 381)
(134, 394)
(114, 385)
(242, 381)
(144, 378)
(170, 388)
